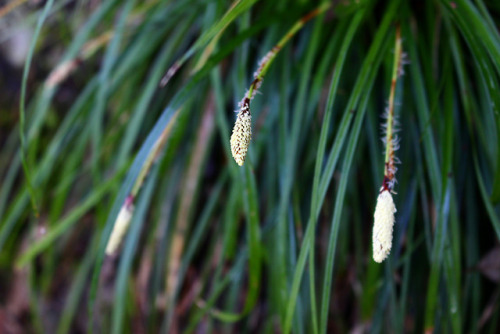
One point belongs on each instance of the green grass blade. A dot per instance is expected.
(339, 201)
(22, 106)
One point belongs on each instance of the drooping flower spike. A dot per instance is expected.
(242, 133)
(126, 212)
(121, 225)
(383, 225)
(384, 211)
(242, 130)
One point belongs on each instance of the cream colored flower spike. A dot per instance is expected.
(242, 133)
(120, 228)
(382, 228)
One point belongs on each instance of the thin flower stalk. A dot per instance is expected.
(126, 212)
(66, 68)
(385, 208)
(199, 43)
(391, 141)
(242, 130)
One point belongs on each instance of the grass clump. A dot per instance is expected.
(127, 205)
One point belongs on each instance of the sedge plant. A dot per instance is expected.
(132, 202)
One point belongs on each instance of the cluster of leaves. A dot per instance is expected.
(282, 244)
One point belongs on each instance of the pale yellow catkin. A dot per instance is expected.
(242, 133)
(383, 226)
(120, 227)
